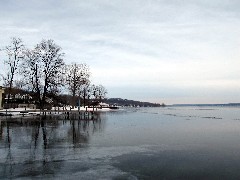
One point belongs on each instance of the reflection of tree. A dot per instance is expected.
(44, 133)
(32, 142)
(8, 137)
(78, 137)
(36, 133)
(1, 130)
(8, 167)
(82, 128)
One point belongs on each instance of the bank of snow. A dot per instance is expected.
(33, 112)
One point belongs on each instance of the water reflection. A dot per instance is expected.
(147, 143)
(34, 146)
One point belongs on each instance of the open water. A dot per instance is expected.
(144, 143)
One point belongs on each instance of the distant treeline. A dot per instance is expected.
(130, 103)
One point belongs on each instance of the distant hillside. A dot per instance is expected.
(130, 103)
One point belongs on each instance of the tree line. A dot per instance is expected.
(43, 72)
(131, 103)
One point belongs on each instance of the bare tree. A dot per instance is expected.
(77, 78)
(85, 91)
(99, 92)
(32, 73)
(15, 55)
(43, 69)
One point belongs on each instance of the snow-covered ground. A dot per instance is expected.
(28, 111)
(20, 112)
(81, 108)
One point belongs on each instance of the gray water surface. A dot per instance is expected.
(143, 143)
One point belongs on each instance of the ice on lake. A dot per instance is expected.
(132, 143)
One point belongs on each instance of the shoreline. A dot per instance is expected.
(21, 112)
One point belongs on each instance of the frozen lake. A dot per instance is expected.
(144, 143)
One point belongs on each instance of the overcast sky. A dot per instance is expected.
(171, 51)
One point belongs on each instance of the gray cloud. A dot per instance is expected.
(160, 40)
